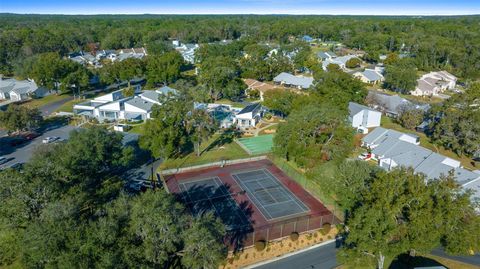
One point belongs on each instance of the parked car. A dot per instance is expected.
(50, 139)
(365, 156)
(17, 166)
(3, 160)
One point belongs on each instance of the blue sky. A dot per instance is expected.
(367, 7)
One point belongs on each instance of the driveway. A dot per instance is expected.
(23, 153)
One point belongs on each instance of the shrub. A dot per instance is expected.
(353, 63)
(294, 236)
(260, 245)
(326, 228)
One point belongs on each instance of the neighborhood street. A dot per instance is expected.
(323, 257)
(22, 153)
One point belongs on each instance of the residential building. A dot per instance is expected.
(434, 83)
(249, 116)
(20, 90)
(340, 61)
(307, 38)
(289, 80)
(123, 54)
(186, 50)
(392, 105)
(137, 108)
(325, 55)
(370, 76)
(395, 149)
(362, 117)
(153, 96)
(261, 87)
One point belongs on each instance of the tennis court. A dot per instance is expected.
(257, 145)
(269, 195)
(210, 194)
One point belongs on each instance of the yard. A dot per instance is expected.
(219, 147)
(425, 142)
(36, 103)
(68, 106)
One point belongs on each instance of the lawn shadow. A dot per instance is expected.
(237, 218)
(226, 137)
(406, 261)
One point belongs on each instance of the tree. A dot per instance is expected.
(164, 68)
(128, 92)
(353, 63)
(20, 118)
(313, 135)
(119, 71)
(279, 100)
(411, 118)
(401, 212)
(220, 75)
(200, 126)
(166, 134)
(456, 122)
(392, 58)
(401, 76)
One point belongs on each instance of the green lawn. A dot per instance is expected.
(219, 147)
(35, 103)
(137, 129)
(425, 142)
(229, 102)
(68, 106)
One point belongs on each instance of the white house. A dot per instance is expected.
(137, 109)
(289, 80)
(363, 117)
(249, 116)
(394, 149)
(340, 61)
(434, 83)
(370, 76)
(186, 50)
(20, 90)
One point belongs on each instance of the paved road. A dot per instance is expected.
(323, 257)
(53, 106)
(22, 153)
(474, 260)
(143, 172)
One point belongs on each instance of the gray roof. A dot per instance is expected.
(287, 78)
(152, 95)
(354, 108)
(379, 134)
(140, 103)
(372, 75)
(394, 103)
(7, 88)
(23, 90)
(166, 90)
(326, 54)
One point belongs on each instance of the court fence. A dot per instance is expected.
(281, 229)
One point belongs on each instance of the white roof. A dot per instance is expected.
(287, 78)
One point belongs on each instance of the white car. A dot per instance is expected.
(50, 139)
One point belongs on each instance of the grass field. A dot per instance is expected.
(425, 142)
(68, 106)
(36, 103)
(219, 147)
(257, 144)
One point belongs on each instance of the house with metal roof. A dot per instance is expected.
(137, 109)
(340, 61)
(20, 90)
(392, 105)
(370, 76)
(324, 55)
(362, 117)
(249, 116)
(289, 80)
(395, 149)
(153, 96)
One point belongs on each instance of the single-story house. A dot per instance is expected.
(261, 87)
(340, 61)
(153, 96)
(395, 149)
(123, 54)
(362, 117)
(434, 83)
(289, 80)
(19, 90)
(392, 105)
(249, 116)
(186, 50)
(324, 55)
(369, 76)
(137, 108)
